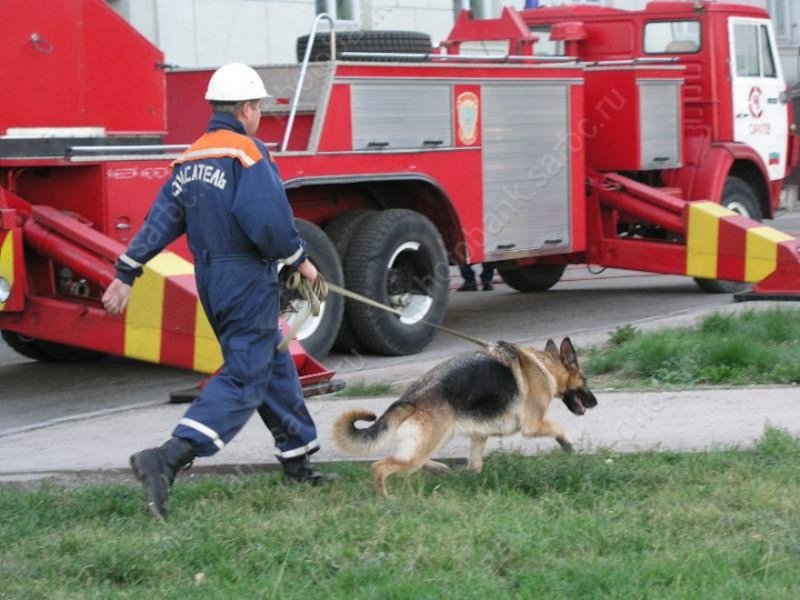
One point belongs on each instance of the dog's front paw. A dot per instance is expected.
(566, 445)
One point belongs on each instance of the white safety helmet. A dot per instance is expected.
(235, 82)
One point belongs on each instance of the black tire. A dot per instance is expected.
(532, 278)
(341, 231)
(384, 42)
(398, 259)
(70, 354)
(45, 351)
(25, 346)
(739, 197)
(317, 333)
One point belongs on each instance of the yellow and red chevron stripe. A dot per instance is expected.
(720, 244)
(165, 322)
(11, 268)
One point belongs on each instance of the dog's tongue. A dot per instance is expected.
(581, 408)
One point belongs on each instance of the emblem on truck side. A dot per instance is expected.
(467, 110)
(754, 102)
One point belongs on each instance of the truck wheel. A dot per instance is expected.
(317, 333)
(25, 346)
(70, 354)
(384, 42)
(341, 231)
(398, 259)
(740, 198)
(532, 278)
(45, 351)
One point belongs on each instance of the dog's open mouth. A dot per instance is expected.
(575, 403)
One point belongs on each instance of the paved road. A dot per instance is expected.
(583, 304)
(32, 392)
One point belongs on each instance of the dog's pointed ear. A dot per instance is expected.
(551, 348)
(568, 356)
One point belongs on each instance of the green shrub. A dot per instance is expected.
(753, 347)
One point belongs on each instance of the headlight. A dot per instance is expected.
(5, 289)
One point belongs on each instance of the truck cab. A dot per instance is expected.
(736, 117)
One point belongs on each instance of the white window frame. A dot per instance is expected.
(332, 10)
(784, 26)
(762, 39)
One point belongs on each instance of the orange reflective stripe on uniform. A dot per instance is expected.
(222, 144)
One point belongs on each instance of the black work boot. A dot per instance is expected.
(301, 469)
(468, 286)
(156, 468)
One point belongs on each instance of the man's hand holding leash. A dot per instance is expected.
(308, 270)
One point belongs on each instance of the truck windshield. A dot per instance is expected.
(672, 37)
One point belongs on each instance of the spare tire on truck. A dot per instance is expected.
(384, 42)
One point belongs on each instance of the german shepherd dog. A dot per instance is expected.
(499, 390)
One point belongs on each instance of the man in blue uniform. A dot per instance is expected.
(226, 195)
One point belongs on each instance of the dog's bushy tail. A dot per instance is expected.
(353, 440)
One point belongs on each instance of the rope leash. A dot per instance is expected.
(316, 292)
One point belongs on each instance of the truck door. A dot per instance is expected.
(760, 116)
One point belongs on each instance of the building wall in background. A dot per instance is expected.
(208, 33)
(434, 17)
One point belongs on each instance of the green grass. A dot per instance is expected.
(754, 347)
(719, 524)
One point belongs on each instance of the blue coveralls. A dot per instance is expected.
(226, 194)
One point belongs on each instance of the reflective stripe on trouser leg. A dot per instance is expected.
(285, 412)
(224, 408)
(227, 401)
(206, 431)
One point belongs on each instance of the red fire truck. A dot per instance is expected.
(652, 140)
